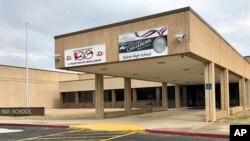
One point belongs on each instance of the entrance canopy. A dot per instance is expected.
(178, 69)
(176, 47)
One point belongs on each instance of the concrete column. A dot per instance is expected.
(76, 99)
(224, 87)
(164, 96)
(93, 98)
(209, 74)
(222, 90)
(134, 97)
(242, 94)
(226, 91)
(185, 99)
(61, 100)
(113, 97)
(248, 93)
(99, 96)
(127, 95)
(158, 96)
(177, 96)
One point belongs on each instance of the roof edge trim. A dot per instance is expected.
(125, 22)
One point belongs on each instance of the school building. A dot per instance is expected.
(176, 47)
(167, 60)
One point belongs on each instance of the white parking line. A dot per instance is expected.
(4, 130)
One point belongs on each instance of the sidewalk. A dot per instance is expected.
(181, 122)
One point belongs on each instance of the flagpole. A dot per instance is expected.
(27, 69)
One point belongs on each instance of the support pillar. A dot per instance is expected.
(210, 108)
(164, 96)
(93, 98)
(134, 97)
(248, 94)
(127, 95)
(224, 87)
(185, 99)
(99, 96)
(222, 90)
(61, 100)
(113, 97)
(242, 94)
(158, 96)
(177, 96)
(76, 99)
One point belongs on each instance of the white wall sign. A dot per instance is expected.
(142, 44)
(85, 56)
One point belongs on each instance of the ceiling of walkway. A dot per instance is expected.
(172, 69)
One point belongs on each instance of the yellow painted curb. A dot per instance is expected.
(109, 127)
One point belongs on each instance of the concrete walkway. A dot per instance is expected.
(175, 119)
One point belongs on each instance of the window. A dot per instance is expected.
(171, 92)
(119, 93)
(234, 94)
(68, 97)
(146, 93)
(107, 95)
(196, 95)
(85, 96)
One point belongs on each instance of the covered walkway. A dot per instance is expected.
(175, 47)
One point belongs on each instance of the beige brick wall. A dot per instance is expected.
(175, 23)
(43, 87)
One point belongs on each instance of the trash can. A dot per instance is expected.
(149, 107)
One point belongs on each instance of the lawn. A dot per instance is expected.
(242, 117)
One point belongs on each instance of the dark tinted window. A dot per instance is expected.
(146, 93)
(68, 97)
(85, 96)
(119, 93)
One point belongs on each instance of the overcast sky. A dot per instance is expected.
(47, 18)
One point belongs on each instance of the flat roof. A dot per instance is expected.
(125, 22)
(48, 70)
(146, 18)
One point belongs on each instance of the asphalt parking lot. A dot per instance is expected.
(34, 134)
(158, 137)
(27, 132)
(49, 134)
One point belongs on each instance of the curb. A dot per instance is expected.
(34, 125)
(109, 127)
(187, 133)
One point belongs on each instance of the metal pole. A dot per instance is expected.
(27, 69)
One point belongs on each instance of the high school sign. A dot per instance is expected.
(143, 44)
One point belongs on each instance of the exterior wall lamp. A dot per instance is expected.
(179, 37)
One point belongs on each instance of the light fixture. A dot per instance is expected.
(180, 37)
(186, 69)
(57, 57)
(104, 69)
(161, 62)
